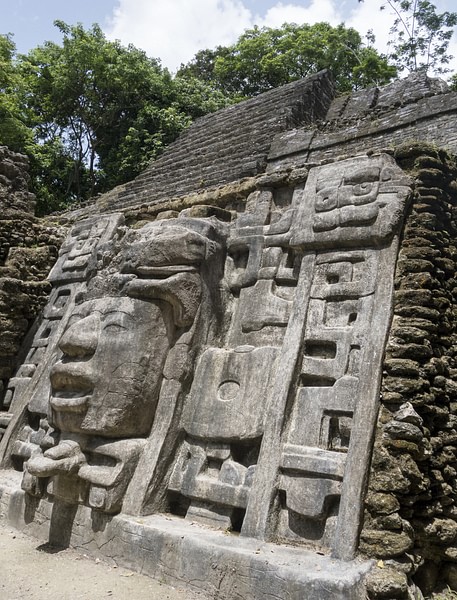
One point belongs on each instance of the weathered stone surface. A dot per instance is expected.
(418, 430)
(210, 562)
(437, 531)
(216, 353)
(387, 583)
(385, 544)
(28, 250)
(384, 504)
(141, 392)
(107, 383)
(402, 367)
(230, 145)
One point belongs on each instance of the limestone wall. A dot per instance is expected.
(411, 507)
(416, 108)
(225, 146)
(28, 249)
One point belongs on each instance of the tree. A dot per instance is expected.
(97, 112)
(420, 36)
(264, 58)
(13, 131)
(88, 92)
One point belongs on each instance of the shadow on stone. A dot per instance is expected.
(50, 548)
(62, 518)
(31, 505)
(100, 520)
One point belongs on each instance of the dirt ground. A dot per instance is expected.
(34, 571)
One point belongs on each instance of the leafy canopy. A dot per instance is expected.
(264, 58)
(95, 112)
(13, 131)
(91, 113)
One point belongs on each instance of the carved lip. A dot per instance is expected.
(69, 402)
(71, 387)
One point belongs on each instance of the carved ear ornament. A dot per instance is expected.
(182, 291)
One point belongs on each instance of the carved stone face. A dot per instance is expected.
(107, 381)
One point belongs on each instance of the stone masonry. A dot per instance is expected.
(411, 505)
(244, 377)
(28, 249)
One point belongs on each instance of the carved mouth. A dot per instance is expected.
(71, 387)
(69, 402)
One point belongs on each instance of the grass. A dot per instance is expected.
(445, 595)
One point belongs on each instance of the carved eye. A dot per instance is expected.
(114, 327)
(327, 199)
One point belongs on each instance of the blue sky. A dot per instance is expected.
(174, 30)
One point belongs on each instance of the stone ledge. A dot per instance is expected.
(175, 550)
(302, 141)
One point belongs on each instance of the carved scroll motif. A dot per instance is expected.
(264, 273)
(358, 202)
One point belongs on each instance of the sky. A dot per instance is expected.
(174, 30)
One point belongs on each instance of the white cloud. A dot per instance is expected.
(316, 12)
(174, 30)
(368, 16)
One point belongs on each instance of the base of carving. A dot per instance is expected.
(181, 552)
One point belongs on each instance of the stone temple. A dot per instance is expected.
(238, 372)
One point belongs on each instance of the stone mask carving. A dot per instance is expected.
(107, 381)
(105, 387)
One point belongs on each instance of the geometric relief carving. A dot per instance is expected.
(92, 471)
(228, 394)
(356, 202)
(265, 290)
(58, 302)
(262, 271)
(224, 422)
(214, 478)
(262, 306)
(313, 456)
(219, 370)
(77, 256)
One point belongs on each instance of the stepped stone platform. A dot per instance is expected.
(228, 145)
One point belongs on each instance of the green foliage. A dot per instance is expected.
(13, 132)
(453, 83)
(91, 113)
(264, 58)
(420, 36)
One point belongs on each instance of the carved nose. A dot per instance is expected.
(81, 338)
